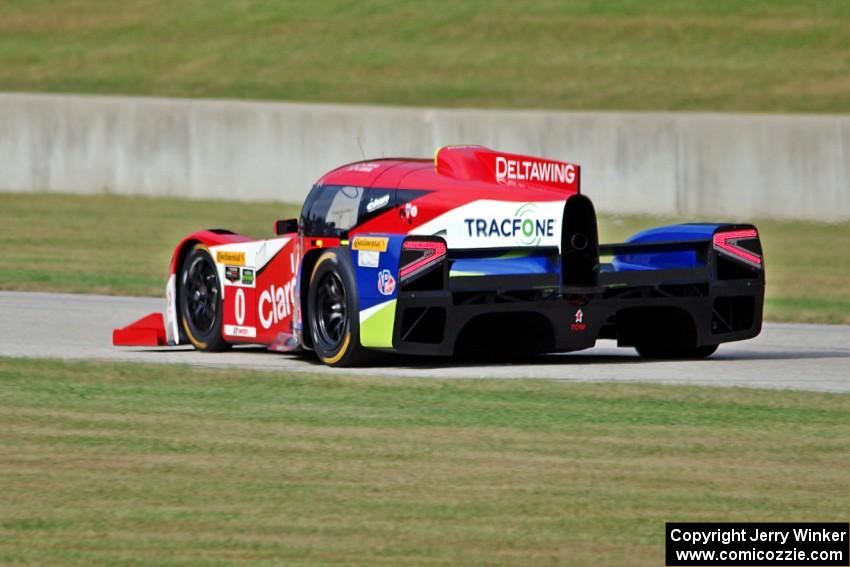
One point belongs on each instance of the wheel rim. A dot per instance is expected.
(332, 314)
(201, 295)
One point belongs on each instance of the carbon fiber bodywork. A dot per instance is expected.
(720, 300)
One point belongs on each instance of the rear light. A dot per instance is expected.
(419, 255)
(729, 243)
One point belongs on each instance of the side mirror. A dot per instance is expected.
(285, 226)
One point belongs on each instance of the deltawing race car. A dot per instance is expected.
(476, 250)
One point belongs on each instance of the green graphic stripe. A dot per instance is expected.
(377, 330)
(516, 254)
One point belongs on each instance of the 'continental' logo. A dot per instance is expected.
(370, 243)
(232, 258)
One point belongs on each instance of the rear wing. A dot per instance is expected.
(477, 163)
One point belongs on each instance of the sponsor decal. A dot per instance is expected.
(373, 243)
(386, 282)
(231, 274)
(232, 258)
(276, 304)
(239, 331)
(524, 226)
(410, 211)
(579, 324)
(367, 167)
(377, 203)
(531, 170)
(368, 258)
(461, 227)
(248, 276)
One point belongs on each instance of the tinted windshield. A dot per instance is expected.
(332, 210)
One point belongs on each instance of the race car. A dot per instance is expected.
(473, 251)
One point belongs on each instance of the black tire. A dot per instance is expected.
(199, 296)
(332, 311)
(677, 353)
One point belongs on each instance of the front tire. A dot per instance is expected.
(199, 296)
(332, 311)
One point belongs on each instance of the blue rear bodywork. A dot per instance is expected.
(522, 262)
(697, 232)
(369, 290)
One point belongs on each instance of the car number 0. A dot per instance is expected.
(239, 306)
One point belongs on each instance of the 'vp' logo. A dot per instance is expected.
(386, 282)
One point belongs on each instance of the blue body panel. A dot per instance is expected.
(369, 278)
(664, 260)
(506, 265)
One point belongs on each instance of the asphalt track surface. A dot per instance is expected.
(784, 356)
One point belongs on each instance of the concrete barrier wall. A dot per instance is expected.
(727, 165)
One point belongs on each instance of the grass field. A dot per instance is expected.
(156, 465)
(727, 55)
(112, 245)
(123, 246)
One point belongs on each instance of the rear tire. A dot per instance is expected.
(332, 311)
(199, 296)
(677, 353)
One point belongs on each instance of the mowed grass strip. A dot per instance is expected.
(725, 55)
(110, 463)
(108, 244)
(123, 246)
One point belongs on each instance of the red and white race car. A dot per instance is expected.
(475, 250)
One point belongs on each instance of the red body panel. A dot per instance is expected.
(147, 331)
(457, 176)
(207, 238)
(267, 304)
